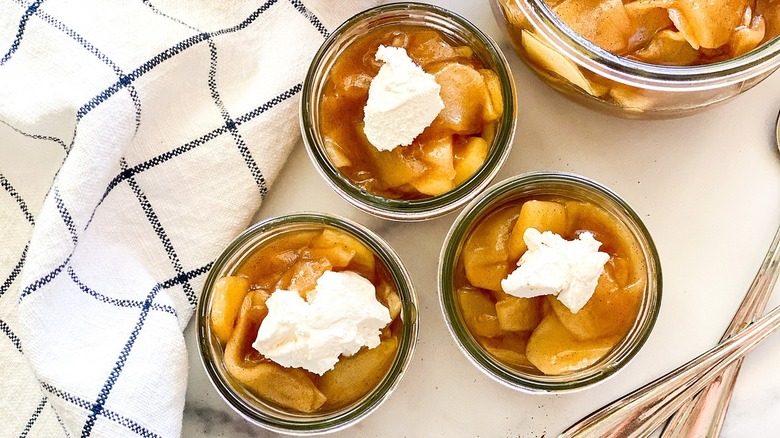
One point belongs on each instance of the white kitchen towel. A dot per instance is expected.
(137, 138)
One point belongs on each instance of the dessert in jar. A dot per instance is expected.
(408, 111)
(306, 323)
(549, 282)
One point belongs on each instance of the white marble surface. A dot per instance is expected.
(706, 186)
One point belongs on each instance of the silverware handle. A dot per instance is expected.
(642, 411)
(703, 416)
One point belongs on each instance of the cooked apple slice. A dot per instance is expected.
(668, 47)
(704, 23)
(552, 61)
(353, 86)
(748, 36)
(478, 312)
(489, 132)
(354, 376)
(611, 311)
(263, 266)
(339, 256)
(509, 349)
(707, 23)
(389, 298)
(397, 167)
(554, 351)
(486, 251)
(770, 11)
(463, 91)
(228, 295)
(437, 154)
(617, 240)
(430, 48)
(464, 51)
(632, 98)
(519, 314)
(337, 154)
(362, 262)
(303, 275)
(494, 105)
(602, 22)
(469, 157)
(542, 215)
(250, 315)
(288, 387)
(433, 184)
(647, 22)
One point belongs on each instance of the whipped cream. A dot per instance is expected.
(403, 100)
(552, 265)
(339, 316)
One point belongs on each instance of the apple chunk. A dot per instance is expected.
(354, 376)
(228, 295)
(469, 157)
(610, 311)
(479, 312)
(519, 314)
(288, 387)
(361, 262)
(553, 62)
(554, 350)
(509, 349)
(541, 215)
(465, 95)
(486, 251)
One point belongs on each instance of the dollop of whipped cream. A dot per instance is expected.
(403, 100)
(339, 316)
(553, 265)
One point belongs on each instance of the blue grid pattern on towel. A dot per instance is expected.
(115, 301)
(107, 413)
(4, 183)
(20, 33)
(34, 10)
(11, 335)
(45, 17)
(34, 417)
(15, 271)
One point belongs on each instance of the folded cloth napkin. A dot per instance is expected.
(136, 140)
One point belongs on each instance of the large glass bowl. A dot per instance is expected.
(616, 85)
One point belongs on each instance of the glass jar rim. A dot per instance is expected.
(430, 207)
(370, 402)
(643, 75)
(616, 359)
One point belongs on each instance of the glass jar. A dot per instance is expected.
(265, 414)
(457, 29)
(571, 187)
(616, 85)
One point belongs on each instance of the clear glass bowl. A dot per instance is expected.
(457, 29)
(540, 184)
(268, 415)
(620, 86)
